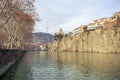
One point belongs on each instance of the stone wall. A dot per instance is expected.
(8, 58)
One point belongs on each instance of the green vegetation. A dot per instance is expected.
(58, 36)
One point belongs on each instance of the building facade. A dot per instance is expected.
(100, 24)
(113, 21)
(82, 28)
(76, 31)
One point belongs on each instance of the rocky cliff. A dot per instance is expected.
(99, 40)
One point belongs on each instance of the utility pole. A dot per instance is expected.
(46, 45)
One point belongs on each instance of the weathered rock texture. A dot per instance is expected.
(93, 41)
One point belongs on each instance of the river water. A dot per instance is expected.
(38, 65)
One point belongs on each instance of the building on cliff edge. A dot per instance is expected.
(102, 23)
(78, 30)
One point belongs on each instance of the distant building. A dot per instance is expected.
(93, 25)
(82, 28)
(97, 23)
(114, 18)
(102, 21)
(117, 14)
(113, 21)
(100, 24)
(76, 31)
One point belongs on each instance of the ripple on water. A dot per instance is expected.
(66, 66)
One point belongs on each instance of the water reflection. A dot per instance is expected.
(66, 66)
(91, 65)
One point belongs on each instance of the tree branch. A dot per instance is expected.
(2, 25)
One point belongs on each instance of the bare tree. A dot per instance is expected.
(17, 20)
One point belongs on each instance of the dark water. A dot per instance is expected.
(66, 66)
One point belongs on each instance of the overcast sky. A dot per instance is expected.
(69, 14)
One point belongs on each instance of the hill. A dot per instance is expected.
(42, 38)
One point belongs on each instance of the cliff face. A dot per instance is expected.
(93, 41)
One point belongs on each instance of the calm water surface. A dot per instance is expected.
(66, 66)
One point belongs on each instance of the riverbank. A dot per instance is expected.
(8, 58)
(100, 40)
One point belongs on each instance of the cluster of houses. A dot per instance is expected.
(102, 23)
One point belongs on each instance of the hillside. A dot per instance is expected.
(42, 38)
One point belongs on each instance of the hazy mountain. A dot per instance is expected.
(42, 38)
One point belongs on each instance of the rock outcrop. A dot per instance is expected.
(99, 40)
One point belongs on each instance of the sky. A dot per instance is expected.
(70, 14)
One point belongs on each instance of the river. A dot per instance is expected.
(36, 65)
